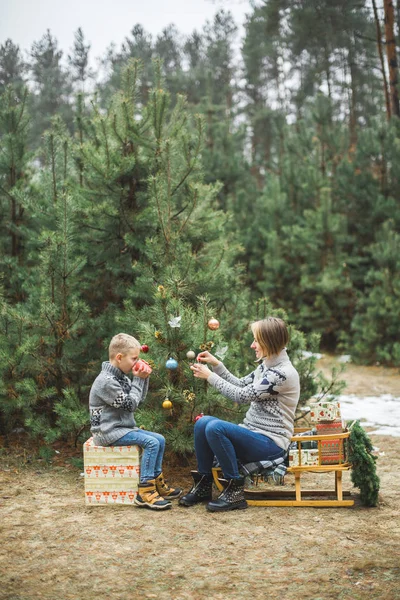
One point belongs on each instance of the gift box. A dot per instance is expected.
(332, 451)
(324, 412)
(111, 473)
(308, 444)
(308, 457)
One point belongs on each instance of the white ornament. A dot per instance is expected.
(175, 322)
(221, 352)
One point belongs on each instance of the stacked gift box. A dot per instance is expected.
(327, 418)
(308, 453)
(324, 411)
(111, 473)
(304, 457)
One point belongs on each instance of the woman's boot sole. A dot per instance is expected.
(240, 506)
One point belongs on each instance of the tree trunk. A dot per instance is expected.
(391, 57)
(380, 52)
(353, 98)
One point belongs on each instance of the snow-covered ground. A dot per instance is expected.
(382, 412)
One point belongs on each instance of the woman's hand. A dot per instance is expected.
(200, 371)
(206, 357)
(142, 369)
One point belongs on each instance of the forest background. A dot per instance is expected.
(195, 182)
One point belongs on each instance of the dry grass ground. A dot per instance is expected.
(54, 548)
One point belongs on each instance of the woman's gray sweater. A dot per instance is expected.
(273, 391)
(113, 399)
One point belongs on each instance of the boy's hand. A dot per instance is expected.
(142, 369)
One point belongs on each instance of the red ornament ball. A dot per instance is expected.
(213, 324)
(145, 348)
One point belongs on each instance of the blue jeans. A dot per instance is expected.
(153, 445)
(230, 443)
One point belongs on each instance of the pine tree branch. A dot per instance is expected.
(159, 211)
(7, 193)
(194, 204)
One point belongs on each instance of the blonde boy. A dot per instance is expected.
(113, 399)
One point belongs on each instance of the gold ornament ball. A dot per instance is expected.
(213, 324)
(167, 404)
(191, 355)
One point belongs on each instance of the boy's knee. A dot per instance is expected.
(152, 443)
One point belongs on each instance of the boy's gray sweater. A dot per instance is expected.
(273, 391)
(113, 399)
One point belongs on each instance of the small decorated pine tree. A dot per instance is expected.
(174, 334)
(363, 472)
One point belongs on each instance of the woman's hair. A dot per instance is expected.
(122, 343)
(272, 335)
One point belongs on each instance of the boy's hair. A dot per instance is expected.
(122, 343)
(272, 335)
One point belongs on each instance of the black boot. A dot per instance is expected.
(231, 498)
(201, 490)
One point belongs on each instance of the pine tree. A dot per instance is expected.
(138, 46)
(375, 326)
(79, 61)
(363, 471)
(52, 88)
(14, 185)
(45, 350)
(12, 67)
(168, 49)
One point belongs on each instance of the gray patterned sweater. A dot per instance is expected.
(272, 390)
(113, 399)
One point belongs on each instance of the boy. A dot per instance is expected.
(113, 399)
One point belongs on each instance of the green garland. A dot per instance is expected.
(363, 472)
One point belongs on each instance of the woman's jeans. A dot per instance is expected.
(230, 443)
(153, 445)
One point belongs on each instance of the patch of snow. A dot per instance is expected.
(382, 412)
(307, 354)
(345, 358)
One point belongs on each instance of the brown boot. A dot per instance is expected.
(148, 497)
(164, 490)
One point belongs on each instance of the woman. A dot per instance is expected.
(272, 390)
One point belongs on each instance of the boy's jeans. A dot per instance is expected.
(230, 443)
(153, 445)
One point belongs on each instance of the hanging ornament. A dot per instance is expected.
(207, 346)
(213, 324)
(189, 396)
(198, 417)
(221, 352)
(161, 290)
(171, 364)
(167, 404)
(191, 355)
(145, 348)
(175, 322)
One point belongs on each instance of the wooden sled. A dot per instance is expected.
(298, 496)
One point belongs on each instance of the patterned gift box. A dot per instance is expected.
(111, 473)
(308, 458)
(332, 451)
(324, 412)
